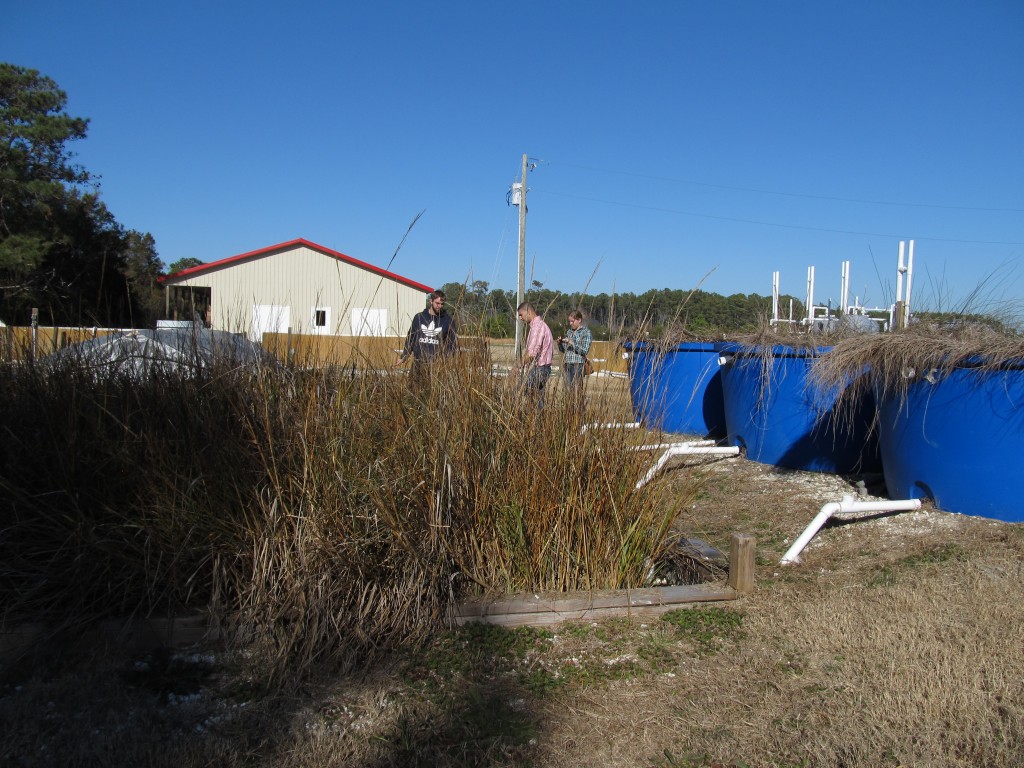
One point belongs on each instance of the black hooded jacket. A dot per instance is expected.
(430, 335)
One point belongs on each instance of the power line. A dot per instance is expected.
(776, 224)
(793, 194)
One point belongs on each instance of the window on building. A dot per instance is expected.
(320, 320)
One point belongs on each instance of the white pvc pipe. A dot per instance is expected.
(624, 425)
(900, 270)
(910, 279)
(685, 449)
(844, 288)
(659, 446)
(810, 295)
(775, 296)
(848, 504)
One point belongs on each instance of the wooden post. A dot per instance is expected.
(741, 563)
(35, 333)
(899, 316)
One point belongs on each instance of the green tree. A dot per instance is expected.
(142, 268)
(650, 314)
(61, 249)
(186, 263)
(36, 173)
(80, 281)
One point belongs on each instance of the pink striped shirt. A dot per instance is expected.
(540, 344)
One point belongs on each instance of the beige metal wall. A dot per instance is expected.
(303, 279)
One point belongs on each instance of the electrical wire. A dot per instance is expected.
(790, 194)
(547, 191)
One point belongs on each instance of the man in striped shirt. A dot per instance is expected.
(536, 362)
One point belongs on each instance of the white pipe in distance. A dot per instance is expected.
(848, 504)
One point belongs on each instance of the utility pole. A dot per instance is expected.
(521, 286)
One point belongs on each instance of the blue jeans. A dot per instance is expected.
(573, 375)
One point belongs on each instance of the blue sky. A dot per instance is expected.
(672, 139)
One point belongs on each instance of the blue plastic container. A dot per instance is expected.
(957, 438)
(772, 412)
(677, 389)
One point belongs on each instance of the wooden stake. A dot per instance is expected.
(741, 563)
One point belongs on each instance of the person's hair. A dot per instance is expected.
(575, 314)
(437, 295)
(527, 306)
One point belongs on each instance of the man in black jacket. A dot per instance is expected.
(431, 335)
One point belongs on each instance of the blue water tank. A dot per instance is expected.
(677, 388)
(957, 438)
(779, 418)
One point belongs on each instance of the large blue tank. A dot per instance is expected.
(677, 388)
(773, 413)
(957, 438)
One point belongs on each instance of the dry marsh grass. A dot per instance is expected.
(318, 516)
(892, 361)
(895, 643)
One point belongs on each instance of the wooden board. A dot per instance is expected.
(540, 610)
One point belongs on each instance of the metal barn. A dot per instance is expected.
(296, 287)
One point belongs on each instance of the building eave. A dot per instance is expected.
(177, 277)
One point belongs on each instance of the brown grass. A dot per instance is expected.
(319, 516)
(895, 643)
(893, 360)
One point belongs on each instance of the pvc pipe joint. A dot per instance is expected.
(848, 504)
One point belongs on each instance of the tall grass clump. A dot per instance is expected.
(891, 362)
(315, 514)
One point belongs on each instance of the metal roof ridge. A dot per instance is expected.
(300, 241)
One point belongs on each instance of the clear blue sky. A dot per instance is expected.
(672, 138)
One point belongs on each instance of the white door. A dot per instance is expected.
(269, 318)
(369, 322)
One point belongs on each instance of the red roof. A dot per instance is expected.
(292, 244)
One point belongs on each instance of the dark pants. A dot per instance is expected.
(536, 378)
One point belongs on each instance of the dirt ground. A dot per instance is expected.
(895, 641)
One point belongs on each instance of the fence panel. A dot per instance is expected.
(361, 352)
(17, 343)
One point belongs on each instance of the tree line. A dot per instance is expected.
(653, 313)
